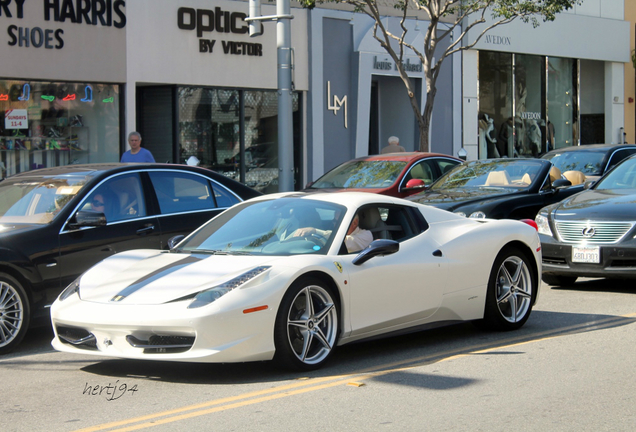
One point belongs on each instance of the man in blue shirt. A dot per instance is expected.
(136, 152)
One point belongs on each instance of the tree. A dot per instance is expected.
(459, 16)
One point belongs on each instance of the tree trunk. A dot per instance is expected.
(424, 120)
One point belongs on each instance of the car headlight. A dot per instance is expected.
(210, 295)
(477, 215)
(70, 290)
(542, 222)
(460, 213)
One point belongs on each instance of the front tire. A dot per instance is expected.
(14, 313)
(512, 288)
(306, 329)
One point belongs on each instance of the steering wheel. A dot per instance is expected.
(315, 238)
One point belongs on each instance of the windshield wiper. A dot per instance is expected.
(219, 252)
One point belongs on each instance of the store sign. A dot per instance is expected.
(16, 119)
(205, 21)
(497, 40)
(337, 104)
(528, 115)
(389, 65)
(105, 13)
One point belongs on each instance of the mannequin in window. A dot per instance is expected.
(487, 140)
(533, 135)
(506, 138)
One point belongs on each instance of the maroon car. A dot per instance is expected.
(393, 174)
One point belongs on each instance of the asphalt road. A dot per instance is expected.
(570, 368)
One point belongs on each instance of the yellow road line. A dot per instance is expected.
(315, 384)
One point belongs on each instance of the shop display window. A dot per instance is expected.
(211, 128)
(527, 104)
(57, 123)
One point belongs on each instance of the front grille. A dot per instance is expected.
(554, 261)
(157, 344)
(597, 232)
(623, 263)
(78, 337)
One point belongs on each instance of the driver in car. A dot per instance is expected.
(356, 239)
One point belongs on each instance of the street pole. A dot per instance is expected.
(284, 68)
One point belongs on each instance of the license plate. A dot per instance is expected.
(590, 254)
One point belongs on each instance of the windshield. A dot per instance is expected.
(361, 174)
(516, 174)
(621, 177)
(588, 162)
(37, 199)
(267, 228)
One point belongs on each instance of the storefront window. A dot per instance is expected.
(496, 133)
(539, 115)
(562, 116)
(210, 128)
(56, 123)
(529, 105)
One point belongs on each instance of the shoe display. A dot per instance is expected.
(76, 121)
(54, 133)
(19, 145)
(54, 145)
(73, 146)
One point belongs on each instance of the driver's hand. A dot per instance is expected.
(304, 232)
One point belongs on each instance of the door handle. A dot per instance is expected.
(145, 230)
(437, 253)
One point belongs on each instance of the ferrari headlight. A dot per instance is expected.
(542, 222)
(70, 290)
(208, 296)
(477, 215)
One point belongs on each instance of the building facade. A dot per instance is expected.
(187, 76)
(560, 84)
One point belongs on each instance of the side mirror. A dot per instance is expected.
(88, 219)
(588, 184)
(309, 185)
(174, 241)
(561, 183)
(415, 184)
(376, 248)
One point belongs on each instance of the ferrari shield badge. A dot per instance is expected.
(338, 266)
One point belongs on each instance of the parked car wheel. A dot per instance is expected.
(558, 280)
(306, 326)
(14, 313)
(511, 291)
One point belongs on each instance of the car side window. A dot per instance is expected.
(119, 198)
(446, 165)
(391, 222)
(181, 192)
(224, 198)
(422, 171)
(619, 156)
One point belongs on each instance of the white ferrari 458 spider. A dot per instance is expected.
(282, 277)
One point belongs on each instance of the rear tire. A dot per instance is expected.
(559, 280)
(14, 313)
(512, 289)
(306, 329)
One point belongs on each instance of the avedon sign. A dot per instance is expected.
(204, 20)
(107, 13)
